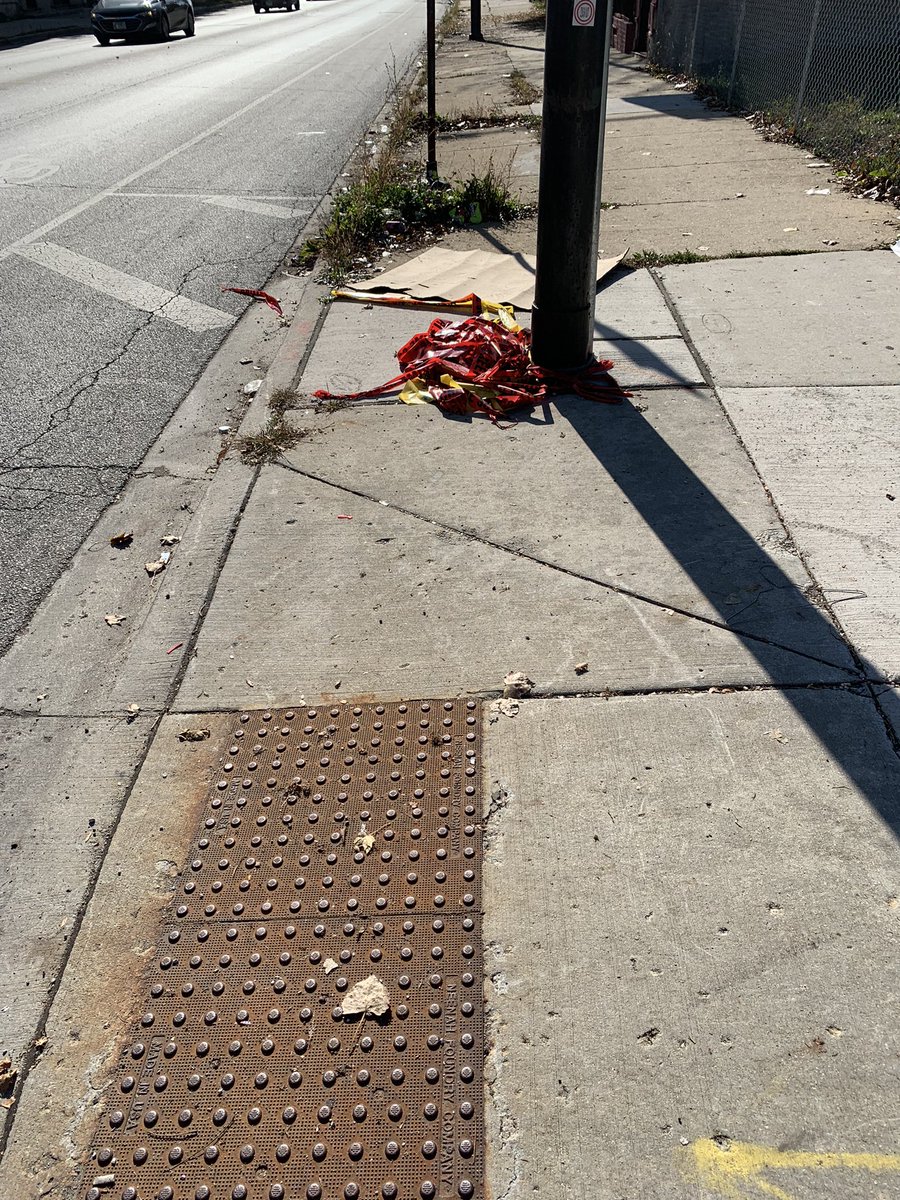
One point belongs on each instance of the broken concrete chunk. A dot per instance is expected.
(517, 683)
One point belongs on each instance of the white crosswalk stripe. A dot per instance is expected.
(137, 293)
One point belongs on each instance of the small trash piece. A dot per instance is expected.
(581, 668)
(776, 736)
(517, 683)
(224, 429)
(193, 735)
(818, 191)
(344, 517)
(368, 998)
(121, 541)
(679, 87)
(251, 388)
(256, 294)
(8, 1073)
(103, 1181)
(829, 242)
(114, 618)
(246, 361)
(155, 568)
(131, 712)
(329, 965)
(791, 229)
(172, 649)
(896, 247)
(364, 841)
(169, 539)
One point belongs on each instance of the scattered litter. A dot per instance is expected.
(679, 87)
(177, 646)
(246, 361)
(702, 248)
(818, 191)
(8, 1073)
(8, 1103)
(103, 1181)
(364, 842)
(581, 668)
(329, 965)
(829, 242)
(131, 712)
(251, 388)
(193, 735)
(344, 517)
(896, 248)
(739, 195)
(155, 568)
(818, 163)
(505, 707)
(791, 229)
(121, 541)
(483, 365)
(776, 735)
(517, 683)
(169, 539)
(368, 998)
(40, 1042)
(114, 618)
(224, 429)
(256, 294)
(249, 682)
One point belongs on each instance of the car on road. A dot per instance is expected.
(264, 5)
(138, 18)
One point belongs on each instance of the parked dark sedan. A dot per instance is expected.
(134, 18)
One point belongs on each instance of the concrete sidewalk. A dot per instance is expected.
(691, 892)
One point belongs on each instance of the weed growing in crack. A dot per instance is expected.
(256, 449)
(650, 258)
(451, 23)
(523, 91)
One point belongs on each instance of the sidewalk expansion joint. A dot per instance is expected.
(607, 585)
(313, 1019)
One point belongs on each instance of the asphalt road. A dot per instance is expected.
(134, 181)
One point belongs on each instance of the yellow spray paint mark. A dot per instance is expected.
(736, 1169)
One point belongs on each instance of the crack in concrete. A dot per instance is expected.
(607, 585)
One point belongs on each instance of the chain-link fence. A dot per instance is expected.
(827, 72)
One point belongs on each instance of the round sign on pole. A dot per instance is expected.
(584, 13)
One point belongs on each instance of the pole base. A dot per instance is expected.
(562, 341)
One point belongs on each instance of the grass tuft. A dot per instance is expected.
(523, 91)
(452, 22)
(256, 449)
(650, 258)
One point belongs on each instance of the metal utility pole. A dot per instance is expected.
(475, 34)
(576, 72)
(431, 169)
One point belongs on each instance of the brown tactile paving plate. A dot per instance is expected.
(243, 1079)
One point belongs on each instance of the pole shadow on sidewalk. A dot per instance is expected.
(711, 546)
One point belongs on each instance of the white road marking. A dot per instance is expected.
(312, 200)
(36, 234)
(136, 293)
(242, 204)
